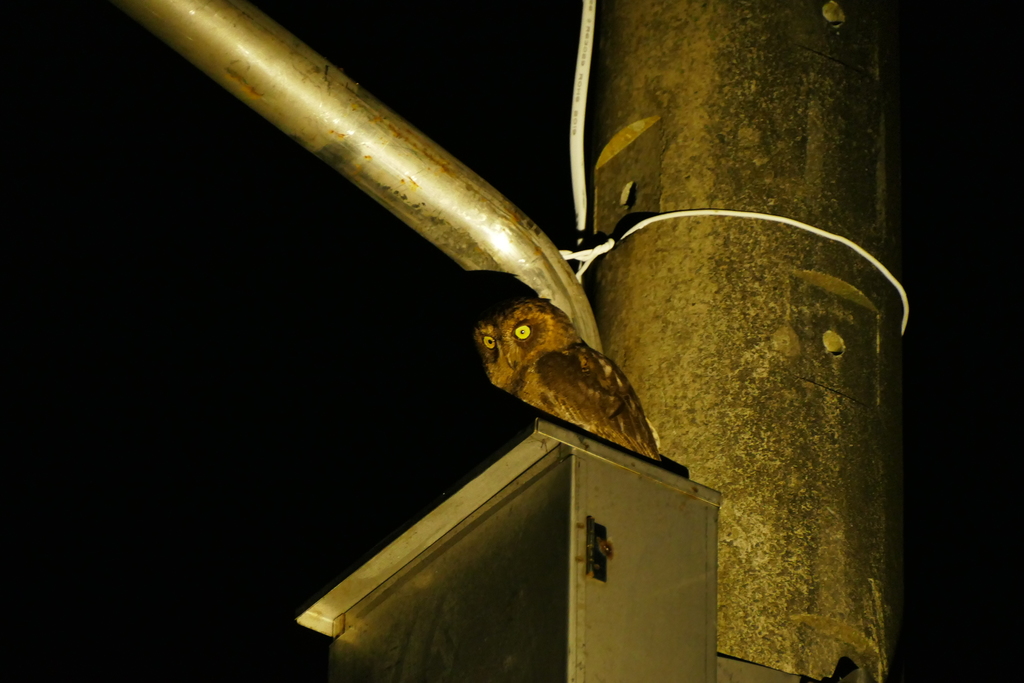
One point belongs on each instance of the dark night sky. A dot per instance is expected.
(237, 400)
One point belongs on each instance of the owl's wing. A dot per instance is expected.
(589, 390)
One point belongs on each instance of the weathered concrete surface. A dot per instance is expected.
(768, 358)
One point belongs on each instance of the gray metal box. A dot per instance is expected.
(559, 559)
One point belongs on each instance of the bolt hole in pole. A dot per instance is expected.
(833, 13)
(834, 344)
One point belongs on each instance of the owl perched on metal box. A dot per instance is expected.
(531, 350)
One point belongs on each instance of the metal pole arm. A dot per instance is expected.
(318, 106)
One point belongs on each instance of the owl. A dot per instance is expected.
(531, 350)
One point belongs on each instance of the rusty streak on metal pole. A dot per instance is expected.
(318, 106)
(768, 358)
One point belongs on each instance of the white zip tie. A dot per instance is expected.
(579, 116)
(587, 256)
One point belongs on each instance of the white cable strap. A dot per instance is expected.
(587, 256)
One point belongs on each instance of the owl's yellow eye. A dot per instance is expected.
(489, 342)
(523, 331)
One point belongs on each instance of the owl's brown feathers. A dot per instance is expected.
(531, 350)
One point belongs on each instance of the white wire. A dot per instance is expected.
(579, 115)
(587, 256)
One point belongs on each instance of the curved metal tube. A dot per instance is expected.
(318, 106)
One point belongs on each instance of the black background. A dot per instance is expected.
(243, 373)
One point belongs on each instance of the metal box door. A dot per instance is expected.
(560, 559)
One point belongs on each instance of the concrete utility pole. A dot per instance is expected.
(767, 357)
